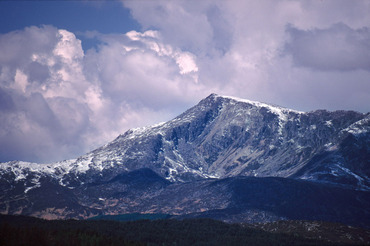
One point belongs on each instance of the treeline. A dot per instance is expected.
(20, 230)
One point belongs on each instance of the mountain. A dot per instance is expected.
(205, 161)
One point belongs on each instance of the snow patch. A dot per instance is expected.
(329, 123)
(359, 127)
(32, 187)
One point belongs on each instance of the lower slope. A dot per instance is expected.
(235, 199)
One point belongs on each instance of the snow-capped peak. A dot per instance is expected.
(273, 108)
(222, 136)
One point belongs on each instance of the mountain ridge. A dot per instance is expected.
(219, 138)
(175, 160)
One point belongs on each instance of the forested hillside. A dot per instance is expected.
(21, 230)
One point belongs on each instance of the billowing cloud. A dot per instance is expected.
(58, 101)
(261, 50)
(41, 81)
(338, 47)
(142, 71)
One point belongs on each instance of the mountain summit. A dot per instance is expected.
(225, 137)
(221, 137)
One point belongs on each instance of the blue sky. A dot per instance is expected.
(75, 16)
(76, 74)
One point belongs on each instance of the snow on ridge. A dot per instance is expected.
(359, 127)
(273, 108)
(135, 132)
(22, 169)
(16, 166)
(58, 169)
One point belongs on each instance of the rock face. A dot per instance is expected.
(219, 139)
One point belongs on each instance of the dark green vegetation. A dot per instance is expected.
(132, 217)
(20, 230)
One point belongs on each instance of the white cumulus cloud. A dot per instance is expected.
(59, 102)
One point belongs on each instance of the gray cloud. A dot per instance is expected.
(338, 47)
(222, 30)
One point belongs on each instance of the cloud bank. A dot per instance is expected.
(58, 101)
(338, 47)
